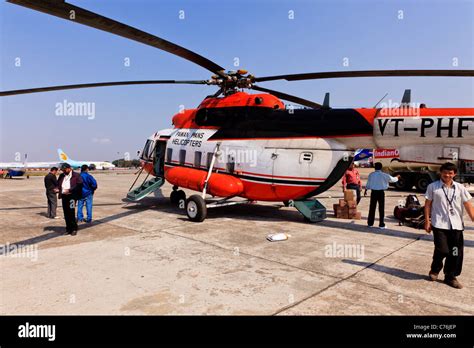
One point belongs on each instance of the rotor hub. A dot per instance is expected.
(232, 80)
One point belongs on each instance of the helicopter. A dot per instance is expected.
(252, 146)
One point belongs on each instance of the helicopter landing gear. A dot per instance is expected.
(177, 196)
(196, 208)
(196, 205)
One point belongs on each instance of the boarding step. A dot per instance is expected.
(311, 209)
(145, 189)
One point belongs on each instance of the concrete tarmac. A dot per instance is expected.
(147, 258)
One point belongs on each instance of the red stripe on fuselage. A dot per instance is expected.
(284, 177)
(252, 173)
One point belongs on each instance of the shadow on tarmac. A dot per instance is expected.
(238, 212)
(58, 231)
(396, 272)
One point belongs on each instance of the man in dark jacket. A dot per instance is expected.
(70, 189)
(89, 185)
(51, 185)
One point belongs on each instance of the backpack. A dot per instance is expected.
(412, 201)
(412, 214)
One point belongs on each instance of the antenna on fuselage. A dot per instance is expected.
(375, 106)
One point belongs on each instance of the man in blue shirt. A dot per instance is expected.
(88, 188)
(378, 182)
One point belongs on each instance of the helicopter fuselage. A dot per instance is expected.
(264, 151)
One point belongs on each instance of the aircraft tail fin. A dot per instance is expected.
(62, 156)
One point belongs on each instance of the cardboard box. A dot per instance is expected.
(342, 212)
(352, 204)
(342, 209)
(349, 195)
(342, 203)
(344, 215)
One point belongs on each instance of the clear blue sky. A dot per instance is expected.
(322, 33)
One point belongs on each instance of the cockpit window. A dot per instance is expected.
(147, 150)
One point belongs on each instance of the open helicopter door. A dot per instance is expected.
(159, 157)
(155, 150)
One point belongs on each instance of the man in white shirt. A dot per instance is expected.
(378, 182)
(444, 210)
(70, 189)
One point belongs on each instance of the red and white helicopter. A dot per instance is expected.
(236, 144)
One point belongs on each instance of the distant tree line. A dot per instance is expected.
(122, 163)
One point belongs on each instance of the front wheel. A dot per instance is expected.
(196, 208)
(177, 196)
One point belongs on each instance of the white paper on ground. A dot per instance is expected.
(276, 237)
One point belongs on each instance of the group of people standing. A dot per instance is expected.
(446, 202)
(70, 187)
(377, 183)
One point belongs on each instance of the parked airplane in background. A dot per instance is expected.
(15, 169)
(77, 164)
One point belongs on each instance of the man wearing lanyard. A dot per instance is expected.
(444, 210)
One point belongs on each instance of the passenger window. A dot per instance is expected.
(182, 157)
(169, 155)
(197, 159)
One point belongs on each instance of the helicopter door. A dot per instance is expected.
(159, 160)
(293, 162)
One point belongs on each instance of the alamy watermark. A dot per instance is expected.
(229, 155)
(29, 251)
(75, 109)
(346, 251)
(391, 108)
(28, 330)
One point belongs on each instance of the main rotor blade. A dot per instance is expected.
(73, 13)
(365, 73)
(288, 97)
(99, 84)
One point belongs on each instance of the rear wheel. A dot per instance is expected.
(196, 208)
(422, 182)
